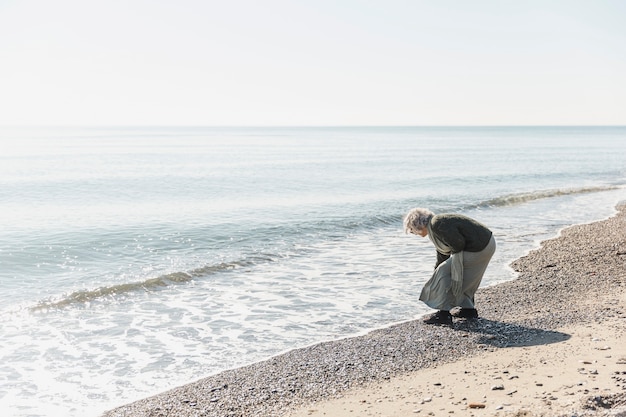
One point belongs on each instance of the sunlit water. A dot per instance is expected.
(136, 260)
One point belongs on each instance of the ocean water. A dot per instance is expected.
(133, 260)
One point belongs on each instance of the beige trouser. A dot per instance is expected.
(437, 292)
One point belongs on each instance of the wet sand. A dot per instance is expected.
(549, 343)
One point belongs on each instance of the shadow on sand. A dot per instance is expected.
(501, 334)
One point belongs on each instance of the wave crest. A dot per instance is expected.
(148, 285)
(521, 198)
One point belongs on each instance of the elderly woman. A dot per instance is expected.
(464, 249)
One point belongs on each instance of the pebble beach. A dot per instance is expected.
(548, 343)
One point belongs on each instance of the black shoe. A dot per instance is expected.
(466, 313)
(440, 317)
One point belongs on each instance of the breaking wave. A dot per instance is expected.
(149, 285)
(521, 198)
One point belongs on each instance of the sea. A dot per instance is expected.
(137, 259)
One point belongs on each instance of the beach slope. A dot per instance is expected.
(549, 343)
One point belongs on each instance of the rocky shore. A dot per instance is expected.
(577, 279)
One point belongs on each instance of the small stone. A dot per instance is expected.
(427, 399)
(497, 387)
(477, 405)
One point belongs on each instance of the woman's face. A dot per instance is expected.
(422, 232)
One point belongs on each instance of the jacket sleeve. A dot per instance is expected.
(451, 236)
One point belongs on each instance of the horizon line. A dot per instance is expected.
(307, 126)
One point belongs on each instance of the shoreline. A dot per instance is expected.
(543, 307)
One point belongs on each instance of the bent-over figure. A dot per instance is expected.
(464, 248)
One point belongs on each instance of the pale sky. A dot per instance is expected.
(312, 62)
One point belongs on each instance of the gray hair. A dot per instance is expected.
(417, 219)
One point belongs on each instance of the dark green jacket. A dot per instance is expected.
(459, 232)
